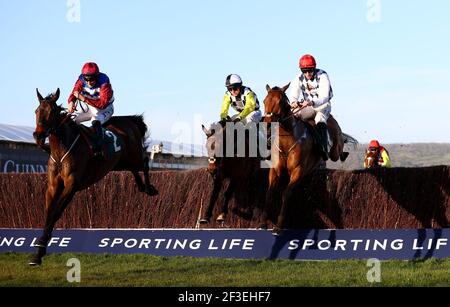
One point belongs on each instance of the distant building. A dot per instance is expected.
(20, 154)
(173, 156)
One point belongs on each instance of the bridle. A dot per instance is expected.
(54, 126)
(372, 160)
(278, 117)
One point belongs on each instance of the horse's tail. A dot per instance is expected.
(138, 120)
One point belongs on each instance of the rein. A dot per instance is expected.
(281, 120)
(67, 117)
(67, 153)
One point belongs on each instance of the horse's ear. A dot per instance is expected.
(55, 96)
(39, 96)
(286, 87)
(206, 130)
(268, 88)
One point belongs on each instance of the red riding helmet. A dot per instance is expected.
(374, 144)
(90, 69)
(307, 61)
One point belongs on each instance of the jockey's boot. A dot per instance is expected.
(323, 132)
(98, 146)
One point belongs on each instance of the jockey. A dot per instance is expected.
(242, 99)
(310, 93)
(94, 90)
(382, 154)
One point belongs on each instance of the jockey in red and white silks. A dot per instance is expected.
(317, 90)
(310, 95)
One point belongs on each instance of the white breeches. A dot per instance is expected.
(89, 113)
(254, 116)
(320, 113)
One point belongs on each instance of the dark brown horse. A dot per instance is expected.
(294, 155)
(71, 167)
(236, 168)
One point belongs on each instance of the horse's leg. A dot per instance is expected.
(56, 205)
(54, 189)
(212, 200)
(144, 187)
(149, 188)
(228, 194)
(140, 184)
(274, 181)
(287, 195)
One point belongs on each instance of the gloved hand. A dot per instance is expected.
(306, 103)
(222, 122)
(71, 107)
(237, 120)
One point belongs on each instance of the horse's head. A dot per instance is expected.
(213, 140)
(276, 104)
(47, 115)
(371, 158)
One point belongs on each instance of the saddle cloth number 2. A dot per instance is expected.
(117, 146)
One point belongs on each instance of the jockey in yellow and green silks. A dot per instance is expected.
(242, 99)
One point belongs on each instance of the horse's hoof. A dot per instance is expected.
(262, 227)
(221, 218)
(277, 231)
(204, 221)
(343, 156)
(151, 191)
(35, 261)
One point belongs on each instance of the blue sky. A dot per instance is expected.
(169, 59)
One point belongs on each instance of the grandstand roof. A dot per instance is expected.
(18, 134)
(23, 134)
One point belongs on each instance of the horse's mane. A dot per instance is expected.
(59, 109)
(276, 88)
(49, 96)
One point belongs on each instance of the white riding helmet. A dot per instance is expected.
(233, 79)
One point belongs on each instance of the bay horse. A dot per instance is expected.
(71, 167)
(295, 154)
(234, 168)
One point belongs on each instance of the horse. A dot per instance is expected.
(71, 167)
(235, 168)
(371, 159)
(295, 154)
